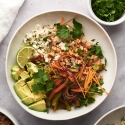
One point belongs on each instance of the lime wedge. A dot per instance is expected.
(24, 55)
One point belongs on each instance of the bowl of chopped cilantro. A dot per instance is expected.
(107, 12)
(63, 65)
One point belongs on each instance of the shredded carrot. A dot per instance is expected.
(53, 65)
(71, 19)
(70, 74)
(81, 71)
(97, 82)
(87, 80)
(62, 21)
(93, 73)
(57, 90)
(81, 88)
(57, 82)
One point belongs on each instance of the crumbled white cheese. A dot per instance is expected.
(35, 46)
(62, 46)
(56, 57)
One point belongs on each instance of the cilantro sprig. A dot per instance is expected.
(96, 50)
(44, 84)
(64, 32)
(77, 30)
(41, 76)
(108, 10)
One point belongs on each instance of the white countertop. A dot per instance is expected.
(117, 35)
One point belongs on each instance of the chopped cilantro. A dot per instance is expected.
(49, 85)
(93, 40)
(41, 76)
(48, 102)
(101, 81)
(45, 39)
(77, 30)
(105, 61)
(67, 46)
(95, 89)
(38, 88)
(96, 50)
(44, 84)
(57, 24)
(76, 66)
(85, 102)
(63, 32)
(79, 50)
(108, 10)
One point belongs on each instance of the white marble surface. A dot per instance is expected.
(117, 96)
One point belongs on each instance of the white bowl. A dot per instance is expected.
(120, 20)
(113, 116)
(92, 30)
(9, 115)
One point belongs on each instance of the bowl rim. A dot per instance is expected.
(70, 11)
(109, 112)
(120, 20)
(9, 115)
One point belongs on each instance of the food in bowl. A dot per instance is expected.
(92, 30)
(4, 120)
(114, 117)
(108, 10)
(56, 67)
(119, 122)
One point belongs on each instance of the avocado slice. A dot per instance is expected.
(16, 71)
(27, 100)
(31, 68)
(21, 94)
(24, 75)
(38, 96)
(30, 83)
(19, 84)
(38, 106)
(23, 91)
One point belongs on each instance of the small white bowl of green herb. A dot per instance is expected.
(107, 12)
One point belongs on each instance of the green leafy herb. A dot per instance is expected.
(105, 61)
(108, 10)
(76, 66)
(41, 76)
(49, 85)
(43, 82)
(63, 32)
(67, 46)
(38, 88)
(96, 50)
(79, 51)
(101, 81)
(95, 89)
(77, 30)
(57, 24)
(85, 102)
(48, 102)
(45, 39)
(93, 40)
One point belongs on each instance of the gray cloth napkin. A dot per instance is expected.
(8, 12)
